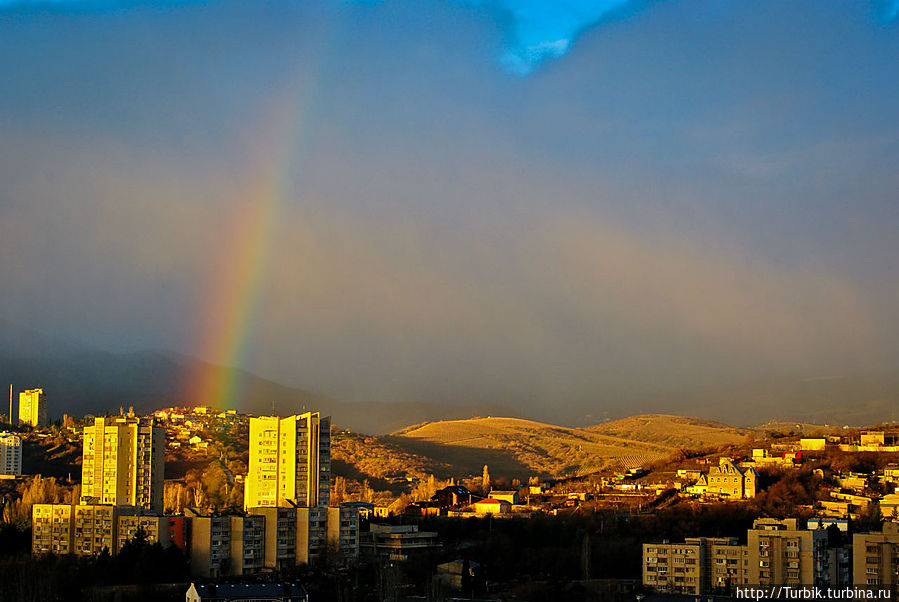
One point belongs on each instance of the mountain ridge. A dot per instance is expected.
(82, 380)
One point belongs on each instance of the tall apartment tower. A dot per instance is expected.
(290, 462)
(10, 454)
(123, 463)
(33, 408)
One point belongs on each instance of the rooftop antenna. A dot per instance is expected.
(273, 408)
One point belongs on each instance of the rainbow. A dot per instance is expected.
(229, 311)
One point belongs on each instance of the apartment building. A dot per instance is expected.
(728, 564)
(89, 529)
(10, 455)
(295, 535)
(312, 534)
(343, 532)
(179, 532)
(247, 545)
(95, 529)
(700, 565)
(279, 535)
(782, 553)
(154, 528)
(123, 463)
(777, 552)
(838, 566)
(51, 529)
(290, 462)
(210, 543)
(876, 557)
(33, 408)
(676, 568)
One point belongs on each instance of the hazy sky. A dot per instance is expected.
(461, 200)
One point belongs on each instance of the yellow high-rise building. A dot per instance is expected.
(290, 462)
(33, 408)
(123, 463)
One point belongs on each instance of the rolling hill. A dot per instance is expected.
(511, 446)
(672, 431)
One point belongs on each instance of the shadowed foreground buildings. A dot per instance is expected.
(244, 592)
(876, 557)
(777, 552)
(397, 542)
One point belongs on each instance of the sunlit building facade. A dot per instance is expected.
(123, 463)
(290, 462)
(33, 408)
(94, 529)
(51, 529)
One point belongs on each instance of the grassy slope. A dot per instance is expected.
(516, 447)
(672, 431)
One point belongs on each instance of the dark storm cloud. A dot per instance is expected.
(698, 192)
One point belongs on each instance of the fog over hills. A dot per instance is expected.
(81, 379)
(853, 399)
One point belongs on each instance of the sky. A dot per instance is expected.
(550, 205)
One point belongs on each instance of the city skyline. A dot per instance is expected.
(457, 201)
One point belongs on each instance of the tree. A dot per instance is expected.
(420, 493)
(235, 498)
(485, 480)
(388, 579)
(585, 556)
(400, 504)
(466, 576)
(338, 495)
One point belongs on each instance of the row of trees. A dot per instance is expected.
(16, 506)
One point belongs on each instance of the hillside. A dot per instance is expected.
(804, 428)
(358, 457)
(672, 431)
(516, 447)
